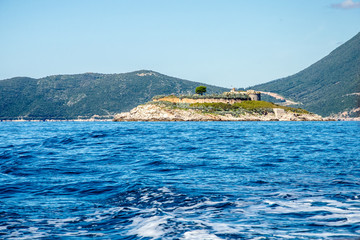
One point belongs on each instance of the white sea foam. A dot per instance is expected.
(306, 206)
(130, 199)
(199, 205)
(200, 234)
(74, 234)
(145, 198)
(103, 214)
(158, 226)
(165, 190)
(349, 218)
(324, 235)
(19, 234)
(148, 227)
(61, 222)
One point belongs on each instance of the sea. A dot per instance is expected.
(180, 180)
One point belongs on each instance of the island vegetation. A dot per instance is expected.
(228, 106)
(235, 109)
(200, 90)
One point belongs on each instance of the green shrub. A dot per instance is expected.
(236, 109)
(200, 90)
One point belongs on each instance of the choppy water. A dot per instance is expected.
(197, 180)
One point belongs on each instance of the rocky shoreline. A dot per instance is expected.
(155, 112)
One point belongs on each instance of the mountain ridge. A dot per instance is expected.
(71, 96)
(324, 87)
(330, 86)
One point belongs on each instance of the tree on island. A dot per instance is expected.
(200, 90)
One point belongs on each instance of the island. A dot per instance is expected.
(228, 106)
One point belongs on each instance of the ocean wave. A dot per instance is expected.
(179, 180)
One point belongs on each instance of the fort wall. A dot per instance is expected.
(227, 97)
(201, 100)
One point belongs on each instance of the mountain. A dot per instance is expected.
(330, 86)
(88, 94)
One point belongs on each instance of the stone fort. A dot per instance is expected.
(227, 97)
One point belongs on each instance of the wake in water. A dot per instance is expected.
(161, 213)
(162, 181)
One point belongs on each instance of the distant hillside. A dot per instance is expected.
(330, 86)
(85, 95)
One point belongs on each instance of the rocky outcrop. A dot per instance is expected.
(158, 112)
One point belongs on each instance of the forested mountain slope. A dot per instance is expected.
(330, 86)
(85, 95)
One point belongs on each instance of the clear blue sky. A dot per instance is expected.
(229, 43)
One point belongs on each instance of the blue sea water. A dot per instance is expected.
(179, 180)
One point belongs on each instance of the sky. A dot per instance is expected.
(228, 43)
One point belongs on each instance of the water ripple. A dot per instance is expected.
(247, 180)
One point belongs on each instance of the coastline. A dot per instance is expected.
(113, 120)
(150, 112)
(56, 120)
(157, 112)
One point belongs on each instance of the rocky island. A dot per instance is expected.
(229, 106)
